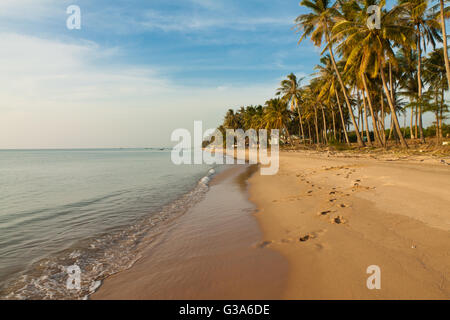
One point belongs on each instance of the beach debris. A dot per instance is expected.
(413, 247)
(324, 213)
(445, 143)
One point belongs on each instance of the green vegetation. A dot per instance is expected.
(366, 77)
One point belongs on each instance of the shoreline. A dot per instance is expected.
(211, 252)
(332, 218)
(318, 225)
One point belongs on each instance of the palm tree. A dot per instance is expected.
(232, 120)
(407, 61)
(443, 14)
(427, 31)
(435, 76)
(372, 46)
(330, 85)
(290, 89)
(277, 116)
(317, 25)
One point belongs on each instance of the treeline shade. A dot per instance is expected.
(364, 73)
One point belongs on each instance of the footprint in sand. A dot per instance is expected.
(311, 235)
(338, 220)
(306, 238)
(264, 244)
(324, 213)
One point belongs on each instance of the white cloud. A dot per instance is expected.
(188, 23)
(30, 10)
(58, 95)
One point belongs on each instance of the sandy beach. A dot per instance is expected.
(332, 217)
(324, 220)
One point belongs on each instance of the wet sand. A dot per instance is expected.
(211, 252)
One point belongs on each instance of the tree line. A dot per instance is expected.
(367, 76)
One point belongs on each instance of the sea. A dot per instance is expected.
(71, 218)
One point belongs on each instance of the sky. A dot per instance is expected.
(139, 69)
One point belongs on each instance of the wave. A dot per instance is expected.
(99, 257)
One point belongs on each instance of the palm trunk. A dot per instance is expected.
(369, 141)
(316, 125)
(444, 36)
(412, 127)
(309, 131)
(300, 120)
(287, 133)
(437, 126)
(342, 118)
(324, 126)
(369, 100)
(344, 90)
(383, 116)
(392, 107)
(416, 132)
(391, 90)
(334, 124)
(441, 115)
(391, 129)
(419, 79)
(359, 119)
(391, 83)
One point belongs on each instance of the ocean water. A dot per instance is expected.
(95, 209)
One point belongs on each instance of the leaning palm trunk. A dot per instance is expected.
(383, 116)
(288, 135)
(342, 119)
(391, 106)
(391, 129)
(344, 90)
(369, 100)
(444, 36)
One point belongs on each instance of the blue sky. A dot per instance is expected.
(197, 42)
(138, 69)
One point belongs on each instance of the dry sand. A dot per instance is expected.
(353, 213)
